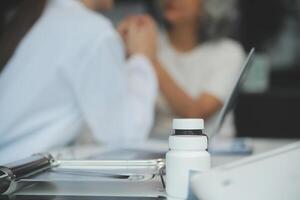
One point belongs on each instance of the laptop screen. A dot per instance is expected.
(229, 102)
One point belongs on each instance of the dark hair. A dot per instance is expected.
(218, 19)
(16, 19)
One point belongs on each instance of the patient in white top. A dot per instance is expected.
(196, 64)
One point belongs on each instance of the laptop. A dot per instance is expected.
(236, 146)
(230, 101)
(218, 145)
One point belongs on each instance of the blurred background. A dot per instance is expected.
(269, 104)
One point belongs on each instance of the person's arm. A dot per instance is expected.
(182, 103)
(115, 99)
(225, 68)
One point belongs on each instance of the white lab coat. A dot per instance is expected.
(70, 69)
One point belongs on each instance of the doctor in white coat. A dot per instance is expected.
(69, 69)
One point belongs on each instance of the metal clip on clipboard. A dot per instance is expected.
(12, 173)
(13, 176)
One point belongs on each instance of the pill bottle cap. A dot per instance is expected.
(188, 124)
(188, 142)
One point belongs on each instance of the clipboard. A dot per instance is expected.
(80, 172)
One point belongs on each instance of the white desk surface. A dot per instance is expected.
(260, 145)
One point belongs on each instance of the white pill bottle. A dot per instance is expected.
(187, 151)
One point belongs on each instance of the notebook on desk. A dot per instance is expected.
(271, 175)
